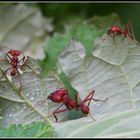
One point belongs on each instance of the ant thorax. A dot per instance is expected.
(16, 62)
(22, 62)
(19, 58)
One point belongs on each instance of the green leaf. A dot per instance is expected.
(113, 73)
(125, 124)
(86, 32)
(36, 129)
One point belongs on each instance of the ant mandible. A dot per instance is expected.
(16, 63)
(116, 31)
(61, 96)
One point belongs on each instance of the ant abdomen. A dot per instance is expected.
(85, 109)
(13, 72)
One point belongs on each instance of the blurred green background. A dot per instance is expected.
(61, 12)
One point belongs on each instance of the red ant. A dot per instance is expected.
(61, 96)
(15, 62)
(116, 31)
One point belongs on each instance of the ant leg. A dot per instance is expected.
(92, 116)
(133, 36)
(22, 54)
(77, 96)
(22, 59)
(58, 111)
(87, 97)
(127, 32)
(100, 100)
(6, 59)
(20, 87)
(30, 68)
(113, 36)
(76, 99)
(3, 60)
(96, 100)
(9, 56)
(4, 73)
(130, 32)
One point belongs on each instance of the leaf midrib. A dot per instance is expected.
(84, 69)
(125, 76)
(26, 100)
(131, 91)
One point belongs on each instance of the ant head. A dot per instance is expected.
(61, 92)
(84, 108)
(14, 52)
(55, 98)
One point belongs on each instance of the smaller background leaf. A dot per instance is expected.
(36, 129)
(24, 28)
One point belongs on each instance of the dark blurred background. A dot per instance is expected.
(63, 11)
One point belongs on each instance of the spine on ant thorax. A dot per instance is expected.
(66, 101)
